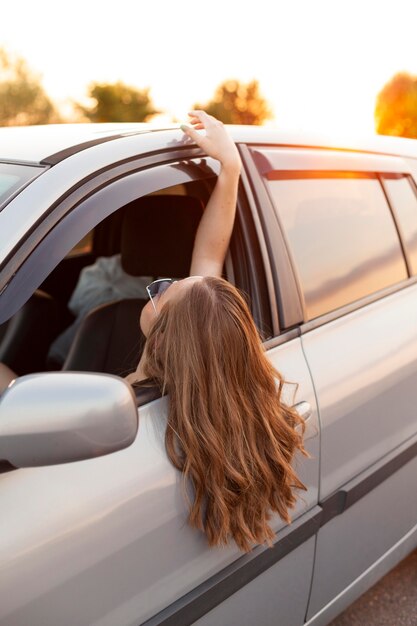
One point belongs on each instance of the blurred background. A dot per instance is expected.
(321, 65)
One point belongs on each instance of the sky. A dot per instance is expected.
(320, 63)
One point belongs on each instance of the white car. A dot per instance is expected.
(93, 521)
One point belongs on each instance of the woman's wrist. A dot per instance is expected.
(231, 167)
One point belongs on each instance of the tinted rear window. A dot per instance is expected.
(342, 236)
(14, 177)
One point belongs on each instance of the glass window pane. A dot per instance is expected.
(404, 200)
(14, 176)
(342, 236)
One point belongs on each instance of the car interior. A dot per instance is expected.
(154, 236)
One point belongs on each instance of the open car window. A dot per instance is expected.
(88, 269)
(84, 316)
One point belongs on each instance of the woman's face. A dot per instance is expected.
(175, 290)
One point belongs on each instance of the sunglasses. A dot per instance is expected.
(157, 288)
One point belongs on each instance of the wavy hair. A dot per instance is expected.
(228, 431)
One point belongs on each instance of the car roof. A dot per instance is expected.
(52, 143)
(33, 144)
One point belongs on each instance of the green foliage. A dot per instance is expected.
(238, 103)
(22, 97)
(396, 107)
(118, 103)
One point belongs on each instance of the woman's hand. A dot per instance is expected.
(217, 142)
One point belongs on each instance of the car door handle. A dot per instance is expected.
(303, 409)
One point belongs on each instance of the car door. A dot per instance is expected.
(104, 541)
(359, 336)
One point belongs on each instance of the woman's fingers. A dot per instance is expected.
(191, 132)
(196, 120)
(198, 113)
(204, 117)
(199, 120)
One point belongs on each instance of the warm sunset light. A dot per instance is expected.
(320, 65)
(208, 313)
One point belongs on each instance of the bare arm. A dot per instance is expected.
(215, 228)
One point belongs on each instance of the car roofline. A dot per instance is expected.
(55, 158)
(251, 135)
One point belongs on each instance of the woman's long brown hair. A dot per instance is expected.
(228, 430)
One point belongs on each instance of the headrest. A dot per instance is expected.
(158, 235)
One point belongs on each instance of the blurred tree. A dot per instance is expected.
(238, 103)
(22, 97)
(396, 107)
(118, 103)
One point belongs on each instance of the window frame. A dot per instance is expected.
(392, 204)
(274, 252)
(77, 214)
(262, 160)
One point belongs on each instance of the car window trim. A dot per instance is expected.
(270, 158)
(266, 262)
(314, 174)
(282, 284)
(249, 267)
(394, 212)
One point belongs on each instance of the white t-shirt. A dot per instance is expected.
(104, 281)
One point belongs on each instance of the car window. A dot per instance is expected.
(13, 177)
(402, 194)
(86, 244)
(341, 234)
(110, 264)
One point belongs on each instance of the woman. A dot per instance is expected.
(228, 430)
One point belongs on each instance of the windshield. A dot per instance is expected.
(14, 177)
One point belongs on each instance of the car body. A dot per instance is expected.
(325, 247)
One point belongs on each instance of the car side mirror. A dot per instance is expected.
(59, 417)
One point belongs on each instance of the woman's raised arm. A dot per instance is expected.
(216, 225)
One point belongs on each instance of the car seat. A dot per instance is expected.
(30, 331)
(157, 240)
